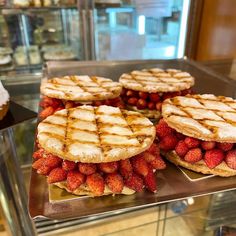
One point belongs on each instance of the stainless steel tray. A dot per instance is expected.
(172, 184)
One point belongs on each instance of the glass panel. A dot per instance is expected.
(141, 29)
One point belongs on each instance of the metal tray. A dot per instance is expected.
(172, 183)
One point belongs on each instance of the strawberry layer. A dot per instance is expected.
(51, 105)
(194, 150)
(134, 173)
(150, 101)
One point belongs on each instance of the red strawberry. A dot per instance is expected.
(154, 97)
(213, 157)
(192, 142)
(140, 166)
(131, 93)
(141, 104)
(87, 168)
(158, 163)
(193, 155)
(150, 181)
(208, 145)
(126, 168)
(163, 129)
(159, 106)
(230, 159)
(115, 182)
(38, 163)
(186, 91)
(133, 101)
(53, 161)
(68, 165)
(180, 136)
(225, 146)
(44, 170)
(46, 102)
(143, 95)
(151, 106)
(154, 149)
(56, 175)
(46, 112)
(38, 154)
(148, 157)
(74, 179)
(97, 103)
(168, 142)
(181, 148)
(59, 108)
(96, 184)
(108, 167)
(134, 182)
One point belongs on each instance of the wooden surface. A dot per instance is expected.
(217, 34)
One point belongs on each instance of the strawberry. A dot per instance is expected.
(154, 149)
(180, 136)
(87, 168)
(46, 112)
(134, 182)
(44, 170)
(208, 145)
(213, 157)
(158, 106)
(74, 179)
(192, 142)
(126, 168)
(140, 166)
(181, 148)
(141, 104)
(193, 155)
(148, 157)
(151, 106)
(168, 142)
(115, 182)
(150, 181)
(38, 154)
(38, 163)
(52, 161)
(225, 146)
(46, 102)
(186, 91)
(131, 93)
(120, 104)
(96, 184)
(56, 175)
(170, 95)
(68, 165)
(69, 104)
(59, 109)
(133, 101)
(154, 97)
(162, 129)
(158, 163)
(143, 95)
(230, 159)
(123, 92)
(108, 167)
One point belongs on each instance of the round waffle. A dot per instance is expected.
(206, 117)
(200, 166)
(81, 88)
(157, 80)
(95, 134)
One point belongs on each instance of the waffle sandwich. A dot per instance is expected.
(98, 151)
(198, 132)
(145, 90)
(71, 91)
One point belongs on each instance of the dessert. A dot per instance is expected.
(72, 91)
(5, 59)
(4, 101)
(97, 151)
(145, 90)
(198, 132)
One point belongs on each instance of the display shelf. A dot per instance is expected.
(172, 183)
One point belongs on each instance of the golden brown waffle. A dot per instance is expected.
(84, 190)
(206, 117)
(200, 166)
(95, 134)
(81, 88)
(157, 80)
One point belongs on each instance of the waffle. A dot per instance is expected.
(84, 190)
(206, 117)
(200, 166)
(95, 134)
(81, 88)
(157, 80)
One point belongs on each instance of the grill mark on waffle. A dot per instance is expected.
(53, 135)
(55, 125)
(65, 148)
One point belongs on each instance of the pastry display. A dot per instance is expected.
(98, 151)
(59, 55)
(198, 132)
(5, 51)
(145, 90)
(71, 91)
(4, 101)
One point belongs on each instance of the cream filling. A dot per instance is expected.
(4, 96)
